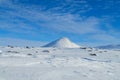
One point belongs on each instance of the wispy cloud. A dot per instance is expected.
(20, 42)
(71, 24)
(105, 37)
(65, 17)
(21, 17)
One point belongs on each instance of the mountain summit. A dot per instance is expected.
(62, 43)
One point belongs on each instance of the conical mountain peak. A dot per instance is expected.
(63, 42)
(64, 38)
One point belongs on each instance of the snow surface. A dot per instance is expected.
(62, 43)
(59, 64)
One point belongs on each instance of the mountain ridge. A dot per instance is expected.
(117, 46)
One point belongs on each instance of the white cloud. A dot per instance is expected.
(18, 18)
(72, 24)
(20, 42)
(104, 37)
(62, 22)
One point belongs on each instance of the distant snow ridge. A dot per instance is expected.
(62, 43)
(110, 47)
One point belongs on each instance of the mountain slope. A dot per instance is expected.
(110, 47)
(62, 43)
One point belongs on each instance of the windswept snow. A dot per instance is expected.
(62, 43)
(59, 64)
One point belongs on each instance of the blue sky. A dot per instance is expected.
(86, 22)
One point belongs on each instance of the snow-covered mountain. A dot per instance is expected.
(62, 43)
(110, 47)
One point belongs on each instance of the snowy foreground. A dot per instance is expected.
(59, 64)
